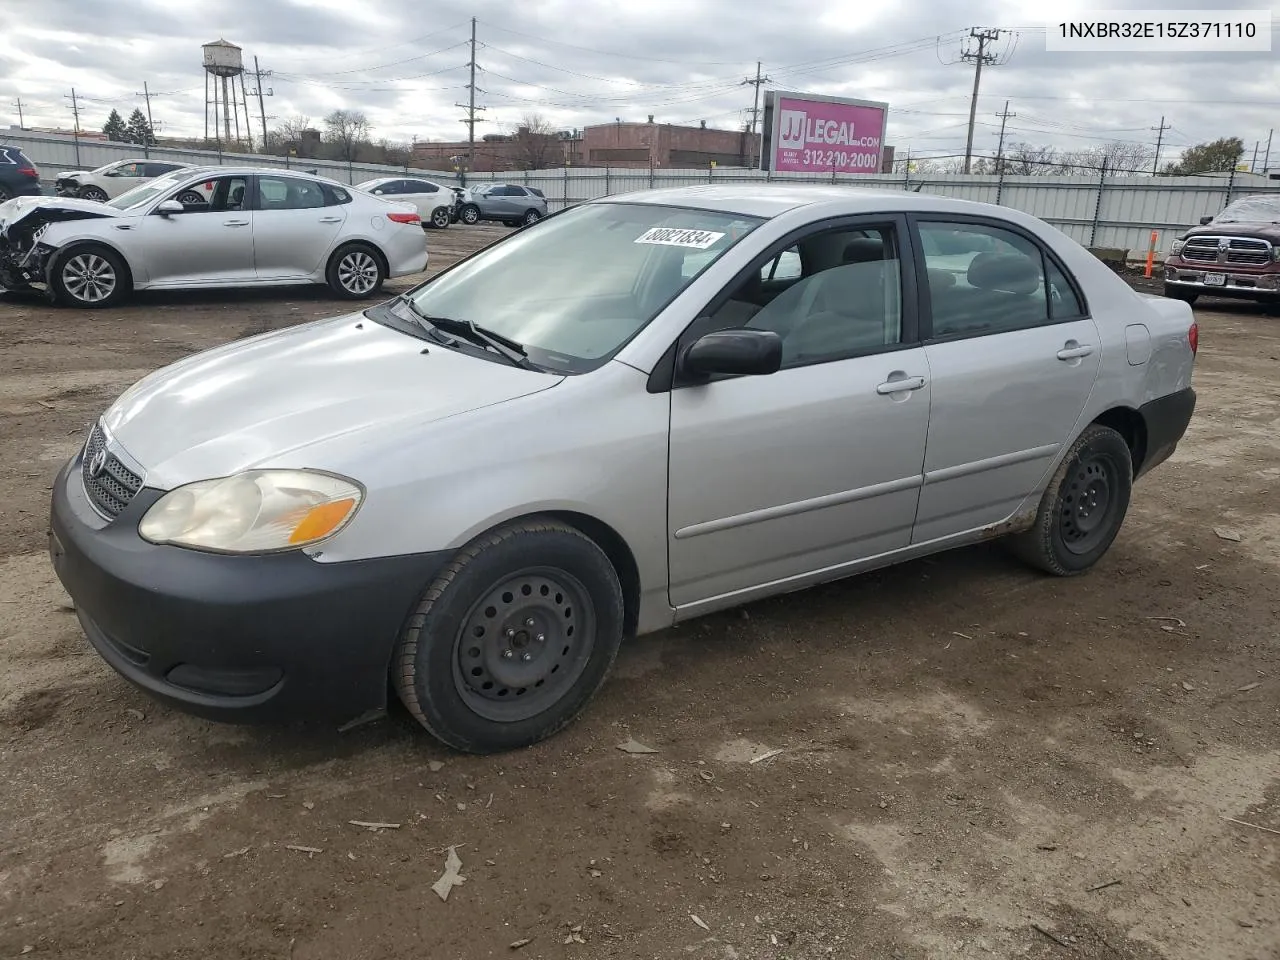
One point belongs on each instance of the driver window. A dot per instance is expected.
(842, 297)
(128, 170)
(220, 195)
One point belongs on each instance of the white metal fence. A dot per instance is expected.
(1118, 212)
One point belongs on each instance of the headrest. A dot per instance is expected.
(1010, 272)
(941, 279)
(863, 250)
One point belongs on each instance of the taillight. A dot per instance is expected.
(31, 172)
(404, 217)
(1193, 338)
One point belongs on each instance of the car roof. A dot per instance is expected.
(244, 171)
(768, 200)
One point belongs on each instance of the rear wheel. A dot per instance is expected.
(190, 198)
(1083, 508)
(96, 194)
(1181, 293)
(440, 217)
(356, 271)
(89, 276)
(512, 639)
(530, 216)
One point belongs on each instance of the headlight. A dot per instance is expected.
(1177, 247)
(253, 512)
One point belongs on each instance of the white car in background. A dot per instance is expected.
(107, 183)
(208, 227)
(434, 201)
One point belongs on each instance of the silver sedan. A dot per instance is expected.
(251, 227)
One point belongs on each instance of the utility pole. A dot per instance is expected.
(1253, 164)
(1155, 164)
(979, 57)
(75, 110)
(1004, 116)
(470, 106)
(258, 74)
(1266, 161)
(22, 124)
(755, 81)
(146, 93)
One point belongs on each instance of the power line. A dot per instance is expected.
(755, 110)
(1155, 163)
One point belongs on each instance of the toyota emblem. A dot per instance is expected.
(98, 463)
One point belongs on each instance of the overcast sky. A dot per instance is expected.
(578, 62)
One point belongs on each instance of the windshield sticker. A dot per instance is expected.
(676, 237)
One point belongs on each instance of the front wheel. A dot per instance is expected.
(96, 194)
(513, 638)
(1083, 508)
(90, 277)
(356, 272)
(470, 215)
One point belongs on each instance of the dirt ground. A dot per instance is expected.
(977, 761)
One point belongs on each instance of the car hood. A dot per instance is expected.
(74, 173)
(278, 398)
(48, 210)
(1263, 229)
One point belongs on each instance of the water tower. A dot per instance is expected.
(223, 67)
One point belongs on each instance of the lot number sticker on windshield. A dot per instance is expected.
(675, 237)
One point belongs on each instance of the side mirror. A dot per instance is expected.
(735, 353)
(1204, 220)
(168, 207)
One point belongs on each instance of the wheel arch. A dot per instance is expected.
(1127, 422)
(363, 242)
(69, 246)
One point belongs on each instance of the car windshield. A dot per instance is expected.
(147, 191)
(575, 288)
(1257, 208)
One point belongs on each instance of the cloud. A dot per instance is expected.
(578, 62)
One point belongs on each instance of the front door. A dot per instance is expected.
(208, 244)
(1013, 356)
(294, 227)
(795, 476)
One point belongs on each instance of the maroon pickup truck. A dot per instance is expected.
(1234, 254)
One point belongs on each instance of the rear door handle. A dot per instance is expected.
(1075, 352)
(235, 223)
(330, 219)
(900, 386)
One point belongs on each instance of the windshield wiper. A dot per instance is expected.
(509, 349)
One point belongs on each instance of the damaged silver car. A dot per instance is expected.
(208, 228)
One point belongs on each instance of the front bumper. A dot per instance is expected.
(65, 187)
(1166, 420)
(240, 638)
(1247, 284)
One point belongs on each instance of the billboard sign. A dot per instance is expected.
(817, 135)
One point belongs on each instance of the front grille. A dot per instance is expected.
(1241, 250)
(108, 482)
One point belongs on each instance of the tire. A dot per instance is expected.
(1181, 293)
(469, 214)
(355, 271)
(530, 216)
(191, 198)
(440, 218)
(489, 660)
(89, 276)
(1083, 508)
(96, 194)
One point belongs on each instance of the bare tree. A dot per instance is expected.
(347, 130)
(1023, 159)
(1118, 157)
(538, 144)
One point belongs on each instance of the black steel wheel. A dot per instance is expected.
(512, 639)
(1084, 506)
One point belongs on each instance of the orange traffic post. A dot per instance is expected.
(1151, 255)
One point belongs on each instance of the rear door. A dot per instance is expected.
(295, 225)
(422, 194)
(1013, 356)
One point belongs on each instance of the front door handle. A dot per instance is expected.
(235, 223)
(902, 385)
(330, 219)
(1074, 351)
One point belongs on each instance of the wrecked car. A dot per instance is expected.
(108, 182)
(209, 227)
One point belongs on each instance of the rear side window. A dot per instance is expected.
(10, 155)
(333, 196)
